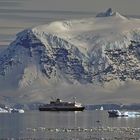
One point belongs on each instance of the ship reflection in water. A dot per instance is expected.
(59, 105)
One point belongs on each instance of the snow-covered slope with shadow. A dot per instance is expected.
(102, 51)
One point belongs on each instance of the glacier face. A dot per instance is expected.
(97, 51)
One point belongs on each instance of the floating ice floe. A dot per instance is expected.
(10, 110)
(117, 113)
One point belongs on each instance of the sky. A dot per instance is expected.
(17, 15)
(124, 6)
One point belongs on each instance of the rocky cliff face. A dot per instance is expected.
(98, 51)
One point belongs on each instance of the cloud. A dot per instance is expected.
(10, 3)
(88, 94)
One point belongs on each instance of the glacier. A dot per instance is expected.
(101, 51)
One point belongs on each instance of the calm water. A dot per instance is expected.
(67, 125)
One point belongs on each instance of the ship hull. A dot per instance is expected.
(61, 109)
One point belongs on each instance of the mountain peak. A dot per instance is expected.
(81, 51)
(109, 12)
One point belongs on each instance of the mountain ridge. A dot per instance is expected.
(92, 51)
(59, 35)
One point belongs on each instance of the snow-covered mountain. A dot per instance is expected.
(104, 50)
(108, 13)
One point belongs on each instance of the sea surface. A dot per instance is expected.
(86, 125)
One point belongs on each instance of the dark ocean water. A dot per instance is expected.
(67, 125)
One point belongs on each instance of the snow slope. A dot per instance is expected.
(103, 51)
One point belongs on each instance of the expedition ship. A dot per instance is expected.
(59, 105)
